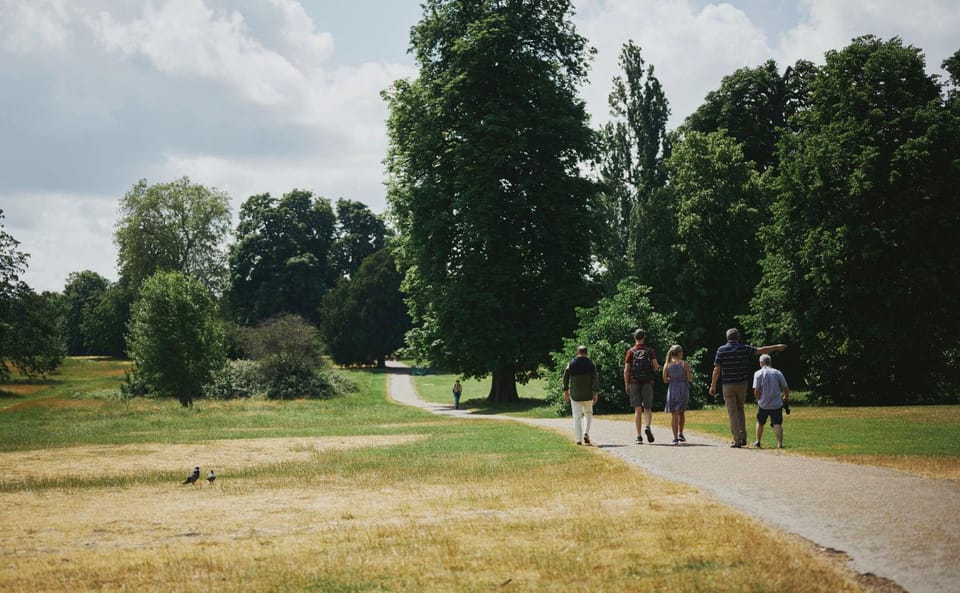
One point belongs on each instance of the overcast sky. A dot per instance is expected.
(254, 96)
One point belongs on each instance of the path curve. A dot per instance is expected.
(891, 524)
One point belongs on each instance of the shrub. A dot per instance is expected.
(607, 331)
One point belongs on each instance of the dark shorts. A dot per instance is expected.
(776, 416)
(641, 395)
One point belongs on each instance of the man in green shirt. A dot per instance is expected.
(581, 387)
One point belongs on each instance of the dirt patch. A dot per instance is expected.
(222, 455)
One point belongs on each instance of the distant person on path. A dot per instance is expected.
(581, 387)
(639, 365)
(772, 393)
(457, 390)
(732, 366)
(677, 374)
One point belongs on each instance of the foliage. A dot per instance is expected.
(718, 207)
(104, 323)
(175, 227)
(175, 338)
(33, 341)
(281, 262)
(633, 146)
(359, 234)
(81, 295)
(287, 350)
(754, 106)
(607, 332)
(13, 263)
(495, 218)
(862, 244)
(234, 380)
(365, 318)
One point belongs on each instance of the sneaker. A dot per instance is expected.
(649, 434)
(757, 444)
(586, 438)
(736, 445)
(682, 438)
(639, 440)
(579, 443)
(676, 441)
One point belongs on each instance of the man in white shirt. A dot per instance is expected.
(771, 391)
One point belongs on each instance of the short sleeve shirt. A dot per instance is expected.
(628, 361)
(771, 383)
(735, 361)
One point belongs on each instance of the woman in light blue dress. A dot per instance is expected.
(677, 375)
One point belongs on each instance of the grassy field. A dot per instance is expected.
(923, 440)
(349, 495)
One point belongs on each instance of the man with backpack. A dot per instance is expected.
(639, 365)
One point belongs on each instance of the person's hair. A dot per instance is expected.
(733, 335)
(581, 349)
(673, 352)
(765, 360)
(639, 334)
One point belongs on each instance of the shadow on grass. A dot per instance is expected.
(483, 407)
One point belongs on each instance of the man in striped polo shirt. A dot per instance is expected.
(733, 365)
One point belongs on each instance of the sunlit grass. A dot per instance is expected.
(357, 494)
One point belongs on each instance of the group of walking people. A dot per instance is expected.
(732, 365)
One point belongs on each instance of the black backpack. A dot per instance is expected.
(641, 369)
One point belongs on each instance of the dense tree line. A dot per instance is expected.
(814, 206)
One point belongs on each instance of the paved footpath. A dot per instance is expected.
(891, 524)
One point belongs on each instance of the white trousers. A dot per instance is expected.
(581, 409)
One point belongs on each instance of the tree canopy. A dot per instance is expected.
(281, 261)
(175, 339)
(862, 244)
(495, 218)
(365, 317)
(178, 226)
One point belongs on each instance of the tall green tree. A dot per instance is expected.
(754, 107)
(359, 233)
(13, 263)
(718, 207)
(178, 226)
(104, 324)
(365, 318)
(861, 250)
(634, 145)
(81, 295)
(281, 262)
(175, 338)
(35, 342)
(496, 219)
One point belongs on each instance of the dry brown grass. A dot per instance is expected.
(589, 524)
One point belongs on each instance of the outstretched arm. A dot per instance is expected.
(771, 348)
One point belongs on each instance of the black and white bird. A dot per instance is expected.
(211, 477)
(194, 475)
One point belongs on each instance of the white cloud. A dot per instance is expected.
(33, 26)
(185, 38)
(63, 233)
(825, 25)
(691, 50)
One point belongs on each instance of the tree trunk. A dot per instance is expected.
(503, 387)
(382, 361)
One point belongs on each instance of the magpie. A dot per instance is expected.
(211, 477)
(193, 476)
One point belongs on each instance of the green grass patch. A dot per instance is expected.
(437, 386)
(931, 431)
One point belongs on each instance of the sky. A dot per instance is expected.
(258, 96)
